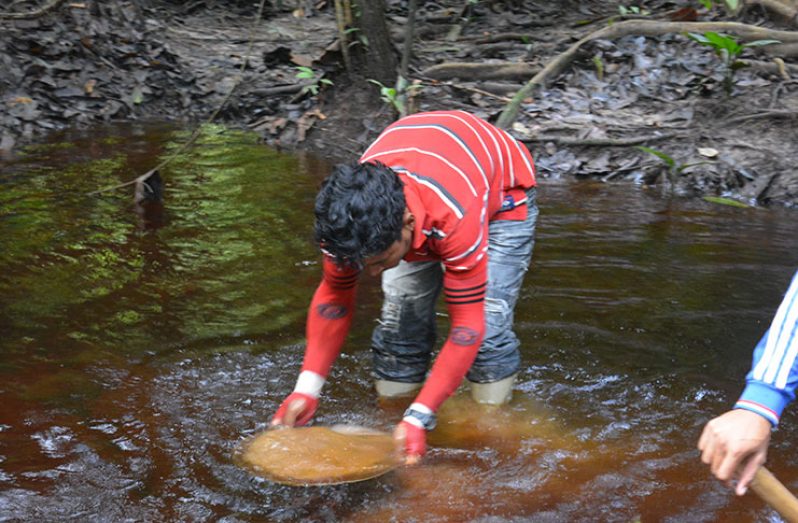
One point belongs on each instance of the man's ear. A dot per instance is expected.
(409, 219)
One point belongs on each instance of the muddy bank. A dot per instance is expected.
(84, 63)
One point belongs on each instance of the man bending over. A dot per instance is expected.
(440, 201)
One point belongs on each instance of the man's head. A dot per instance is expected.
(361, 214)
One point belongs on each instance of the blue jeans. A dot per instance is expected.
(402, 342)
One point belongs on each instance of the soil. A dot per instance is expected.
(83, 63)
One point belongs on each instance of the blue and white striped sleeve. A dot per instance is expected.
(771, 383)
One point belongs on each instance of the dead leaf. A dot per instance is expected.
(521, 130)
(304, 124)
(685, 14)
(302, 59)
(20, 100)
(89, 86)
(278, 124)
(137, 96)
(709, 152)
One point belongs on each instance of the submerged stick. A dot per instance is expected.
(775, 494)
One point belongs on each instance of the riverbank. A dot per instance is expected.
(85, 63)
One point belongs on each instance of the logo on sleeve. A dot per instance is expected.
(331, 311)
(464, 336)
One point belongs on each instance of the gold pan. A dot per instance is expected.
(318, 455)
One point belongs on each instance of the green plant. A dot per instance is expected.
(389, 95)
(598, 63)
(306, 73)
(728, 49)
(674, 168)
(393, 96)
(360, 38)
(726, 201)
(633, 10)
(731, 5)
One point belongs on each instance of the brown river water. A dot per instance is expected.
(137, 351)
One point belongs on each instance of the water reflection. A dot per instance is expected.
(133, 359)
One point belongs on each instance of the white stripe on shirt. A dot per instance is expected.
(503, 137)
(459, 141)
(449, 203)
(426, 153)
(773, 361)
(476, 244)
(476, 134)
(495, 144)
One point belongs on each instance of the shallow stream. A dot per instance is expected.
(137, 349)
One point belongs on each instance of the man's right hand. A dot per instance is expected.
(297, 409)
(735, 444)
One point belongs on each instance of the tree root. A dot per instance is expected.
(787, 11)
(503, 37)
(32, 14)
(474, 90)
(501, 71)
(642, 28)
(784, 50)
(766, 114)
(598, 142)
(777, 66)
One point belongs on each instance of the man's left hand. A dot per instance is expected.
(410, 440)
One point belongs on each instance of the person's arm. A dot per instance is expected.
(329, 319)
(465, 301)
(736, 443)
(465, 297)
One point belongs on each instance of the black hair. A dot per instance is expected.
(359, 212)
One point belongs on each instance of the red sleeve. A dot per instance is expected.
(329, 317)
(465, 299)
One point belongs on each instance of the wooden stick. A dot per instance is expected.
(775, 494)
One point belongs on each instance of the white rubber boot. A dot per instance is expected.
(396, 389)
(495, 393)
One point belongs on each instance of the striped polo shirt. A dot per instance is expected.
(771, 383)
(459, 173)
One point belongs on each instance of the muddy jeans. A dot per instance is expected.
(402, 342)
